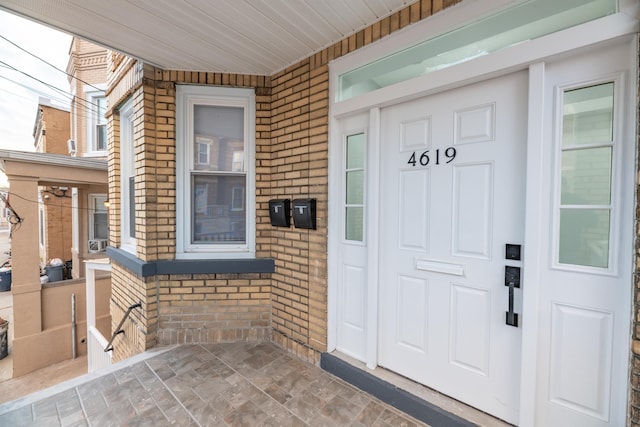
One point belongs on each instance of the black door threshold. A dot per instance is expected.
(392, 395)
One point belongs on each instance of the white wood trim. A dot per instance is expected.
(532, 259)
(333, 231)
(503, 62)
(373, 231)
(95, 355)
(97, 358)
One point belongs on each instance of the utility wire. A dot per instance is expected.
(62, 91)
(85, 104)
(48, 203)
(49, 64)
(83, 110)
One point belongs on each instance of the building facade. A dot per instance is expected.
(51, 132)
(58, 197)
(473, 185)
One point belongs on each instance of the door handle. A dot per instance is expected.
(512, 280)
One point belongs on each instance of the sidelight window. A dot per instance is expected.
(354, 190)
(587, 153)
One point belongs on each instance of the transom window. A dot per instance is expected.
(215, 143)
(526, 20)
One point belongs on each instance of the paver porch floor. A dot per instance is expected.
(238, 384)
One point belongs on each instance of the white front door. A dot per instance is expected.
(452, 198)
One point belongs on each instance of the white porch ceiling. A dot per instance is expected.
(235, 36)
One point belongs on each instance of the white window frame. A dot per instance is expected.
(127, 170)
(42, 224)
(95, 199)
(613, 207)
(187, 97)
(93, 119)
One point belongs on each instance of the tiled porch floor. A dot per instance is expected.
(240, 384)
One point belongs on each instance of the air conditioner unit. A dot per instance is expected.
(97, 245)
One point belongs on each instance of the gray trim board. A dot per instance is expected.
(390, 394)
(200, 266)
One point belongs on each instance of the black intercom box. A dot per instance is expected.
(280, 212)
(304, 213)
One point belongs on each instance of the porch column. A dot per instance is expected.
(25, 285)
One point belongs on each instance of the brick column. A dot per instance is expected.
(24, 254)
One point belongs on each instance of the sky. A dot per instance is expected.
(19, 94)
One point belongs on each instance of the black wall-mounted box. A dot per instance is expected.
(280, 212)
(304, 213)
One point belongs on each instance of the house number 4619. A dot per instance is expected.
(423, 159)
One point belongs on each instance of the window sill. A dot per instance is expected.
(101, 153)
(198, 266)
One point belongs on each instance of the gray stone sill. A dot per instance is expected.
(199, 266)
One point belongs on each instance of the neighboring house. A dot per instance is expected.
(87, 70)
(58, 200)
(473, 173)
(51, 132)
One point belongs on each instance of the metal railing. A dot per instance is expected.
(119, 329)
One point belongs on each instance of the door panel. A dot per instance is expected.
(470, 328)
(590, 334)
(452, 196)
(585, 283)
(414, 221)
(473, 210)
(352, 246)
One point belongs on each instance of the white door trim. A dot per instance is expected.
(532, 259)
(373, 238)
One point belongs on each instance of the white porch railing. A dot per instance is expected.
(97, 358)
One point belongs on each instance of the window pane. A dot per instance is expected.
(355, 187)
(355, 151)
(584, 237)
(101, 109)
(586, 176)
(354, 223)
(217, 214)
(588, 115)
(202, 152)
(132, 207)
(100, 230)
(100, 226)
(222, 129)
(101, 137)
